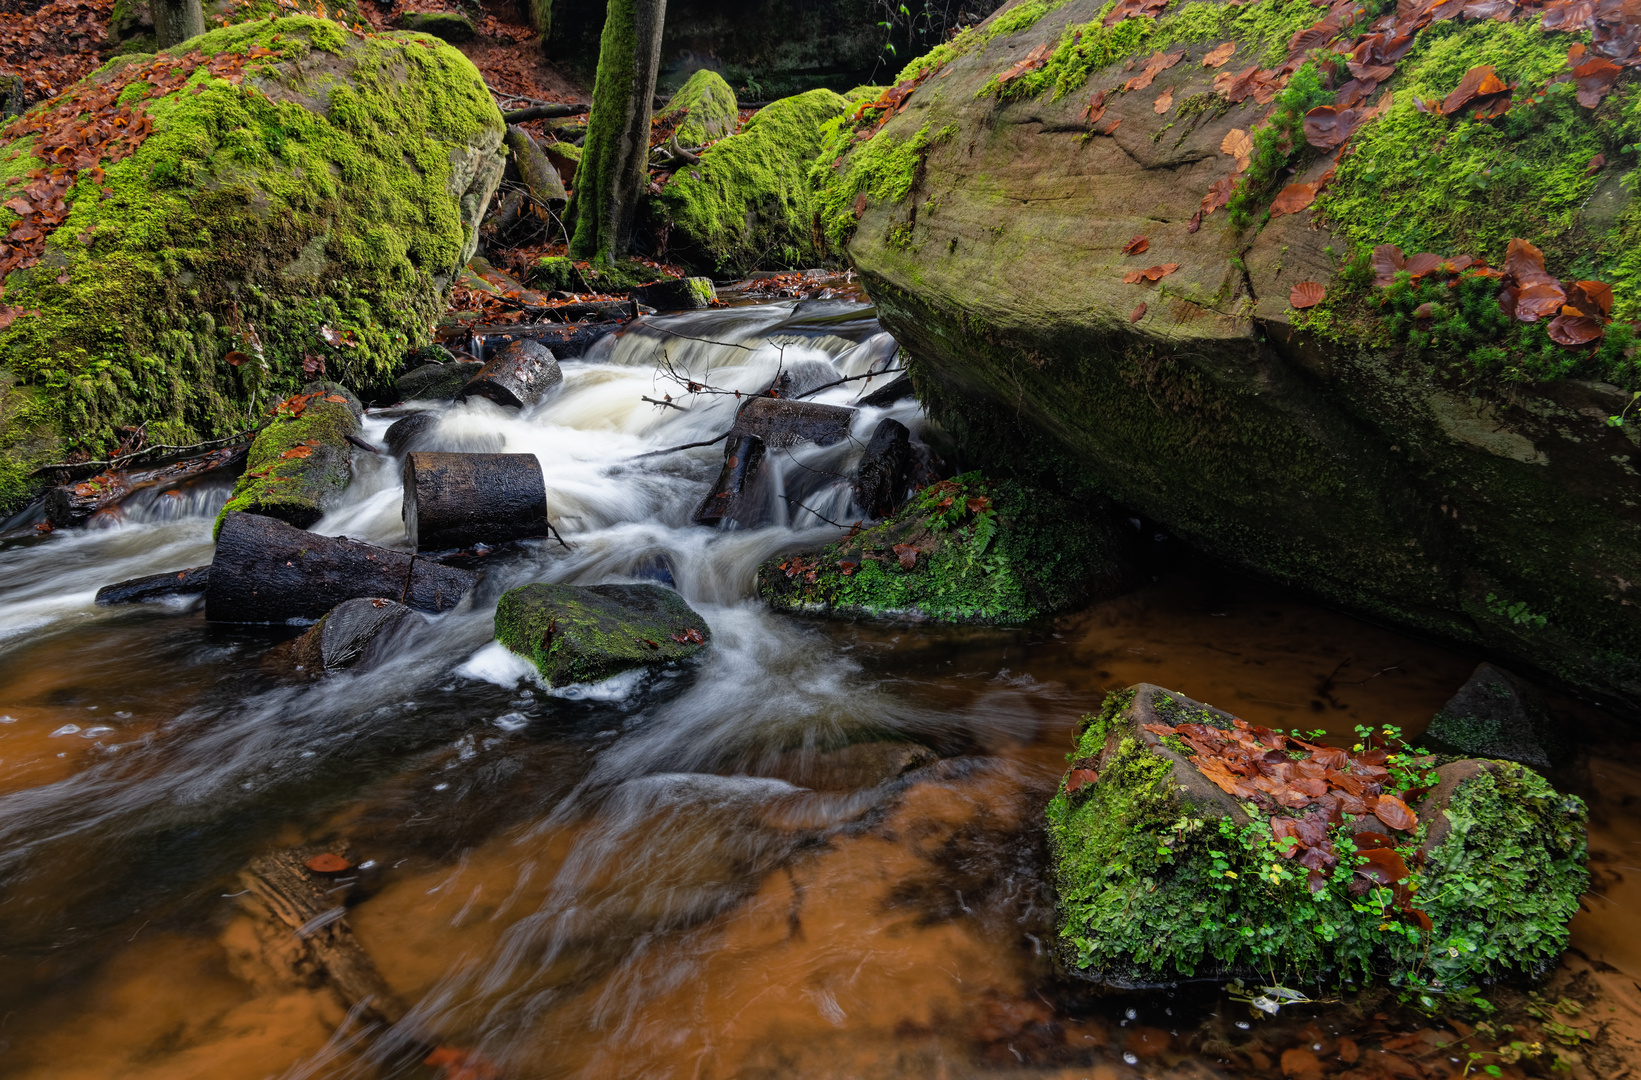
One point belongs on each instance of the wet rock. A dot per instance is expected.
(967, 550)
(586, 634)
(676, 294)
(1139, 833)
(519, 373)
(1498, 715)
(735, 496)
(852, 768)
(803, 376)
(410, 433)
(898, 389)
(781, 424)
(461, 500)
(267, 571)
(143, 590)
(436, 382)
(354, 633)
(535, 171)
(448, 25)
(880, 480)
(302, 461)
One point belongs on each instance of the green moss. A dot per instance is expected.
(750, 203)
(884, 170)
(300, 461)
(210, 233)
(1276, 140)
(582, 635)
(708, 107)
(449, 25)
(596, 177)
(1020, 559)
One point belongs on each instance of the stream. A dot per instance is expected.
(690, 873)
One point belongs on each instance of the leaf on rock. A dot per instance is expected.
(1328, 126)
(1383, 866)
(1095, 109)
(327, 864)
(1573, 330)
(1595, 78)
(1219, 55)
(1138, 313)
(907, 554)
(1591, 298)
(1307, 294)
(1395, 813)
(1136, 246)
(1540, 300)
(1157, 273)
(298, 452)
(1079, 778)
(1033, 60)
(1164, 102)
(1478, 81)
(1567, 16)
(1240, 145)
(1293, 198)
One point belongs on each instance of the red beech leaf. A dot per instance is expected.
(1383, 866)
(1423, 263)
(1386, 261)
(1539, 301)
(1595, 78)
(1219, 55)
(1136, 246)
(1307, 294)
(1293, 198)
(1328, 126)
(1394, 812)
(1591, 297)
(1596, 164)
(1138, 313)
(1469, 87)
(1571, 331)
(1079, 778)
(1524, 264)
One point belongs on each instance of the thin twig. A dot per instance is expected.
(852, 378)
(790, 501)
(686, 446)
(668, 404)
(554, 534)
(122, 459)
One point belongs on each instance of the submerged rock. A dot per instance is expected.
(676, 294)
(577, 634)
(1497, 715)
(1221, 851)
(302, 461)
(274, 193)
(964, 550)
(409, 433)
(880, 479)
(354, 633)
(519, 374)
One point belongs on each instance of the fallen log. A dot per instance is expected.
(142, 590)
(354, 633)
(535, 171)
(267, 571)
(735, 496)
(461, 500)
(436, 382)
(73, 504)
(542, 112)
(519, 374)
(781, 423)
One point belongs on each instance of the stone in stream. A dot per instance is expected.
(967, 550)
(734, 496)
(899, 388)
(676, 294)
(410, 433)
(850, 768)
(578, 634)
(519, 373)
(1498, 715)
(802, 376)
(354, 633)
(267, 571)
(436, 381)
(301, 462)
(1171, 806)
(447, 25)
(880, 479)
(143, 590)
(535, 171)
(782, 424)
(461, 500)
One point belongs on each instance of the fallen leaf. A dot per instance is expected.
(1136, 246)
(907, 554)
(1195, 223)
(1383, 865)
(1292, 199)
(1386, 261)
(1138, 313)
(1568, 17)
(328, 864)
(298, 452)
(1157, 273)
(1219, 55)
(1573, 330)
(1095, 109)
(1591, 297)
(1595, 78)
(1300, 1063)
(1478, 81)
(1079, 778)
(1238, 144)
(1219, 193)
(1596, 164)
(1033, 60)
(1307, 294)
(1399, 816)
(1423, 263)
(1540, 300)
(1164, 102)
(1329, 126)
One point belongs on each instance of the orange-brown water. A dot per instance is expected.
(749, 930)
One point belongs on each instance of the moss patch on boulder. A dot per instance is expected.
(1164, 878)
(967, 550)
(751, 201)
(301, 462)
(321, 179)
(708, 108)
(577, 634)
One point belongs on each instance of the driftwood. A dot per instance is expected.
(781, 423)
(542, 112)
(734, 495)
(535, 171)
(462, 500)
(190, 582)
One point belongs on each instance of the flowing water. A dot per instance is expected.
(709, 873)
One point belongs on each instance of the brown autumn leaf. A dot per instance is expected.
(1315, 36)
(1395, 813)
(1195, 223)
(1301, 1063)
(1423, 263)
(328, 864)
(907, 554)
(236, 358)
(298, 452)
(1383, 865)
(1596, 164)
(1386, 261)
(1033, 60)
(1219, 55)
(1292, 199)
(1595, 79)
(1138, 313)
(1080, 778)
(1479, 80)
(1567, 16)
(1591, 297)
(1164, 102)
(1541, 300)
(1572, 328)
(1136, 246)
(1238, 144)
(1328, 126)
(1524, 264)
(1219, 193)
(1157, 273)
(1133, 277)
(1096, 108)
(1307, 294)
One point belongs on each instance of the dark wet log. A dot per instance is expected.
(143, 590)
(409, 433)
(880, 480)
(896, 390)
(355, 633)
(542, 112)
(519, 374)
(735, 496)
(535, 171)
(304, 932)
(781, 423)
(266, 571)
(73, 504)
(566, 342)
(676, 294)
(460, 500)
(436, 382)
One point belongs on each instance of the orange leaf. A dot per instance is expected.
(1164, 102)
(1394, 812)
(1307, 294)
(1240, 145)
(298, 452)
(1294, 198)
(1219, 55)
(1138, 313)
(1136, 246)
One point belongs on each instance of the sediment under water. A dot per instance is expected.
(669, 876)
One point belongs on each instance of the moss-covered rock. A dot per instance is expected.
(296, 177)
(451, 26)
(570, 275)
(1497, 715)
(751, 201)
(1163, 878)
(578, 634)
(1400, 471)
(301, 462)
(436, 381)
(966, 550)
(705, 107)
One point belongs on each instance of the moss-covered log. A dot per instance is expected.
(582, 635)
(1164, 878)
(964, 550)
(288, 189)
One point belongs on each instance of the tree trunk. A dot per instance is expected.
(541, 17)
(613, 166)
(176, 21)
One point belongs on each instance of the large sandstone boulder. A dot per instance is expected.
(1406, 452)
(205, 222)
(1190, 845)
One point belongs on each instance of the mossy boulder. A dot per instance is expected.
(751, 201)
(1163, 878)
(705, 107)
(449, 25)
(436, 381)
(577, 634)
(968, 550)
(1498, 715)
(290, 189)
(1400, 464)
(301, 461)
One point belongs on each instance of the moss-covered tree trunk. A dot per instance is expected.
(176, 21)
(613, 166)
(541, 17)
